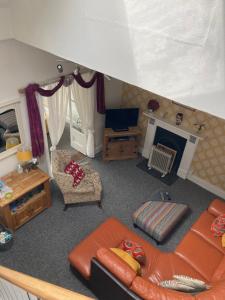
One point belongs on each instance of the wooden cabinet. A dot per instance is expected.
(32, 191)
(31, 208)
(120, 145)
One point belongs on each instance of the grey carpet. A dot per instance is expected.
(42, 245)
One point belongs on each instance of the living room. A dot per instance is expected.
(121, 174)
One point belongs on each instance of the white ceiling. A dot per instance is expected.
(174, 48)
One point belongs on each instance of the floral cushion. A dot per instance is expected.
(76, 171)
(218, 226)
(134, 249)
(185, 284)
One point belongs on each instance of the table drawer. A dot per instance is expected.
(30, 209)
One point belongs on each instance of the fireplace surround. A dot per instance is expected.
(162, 130)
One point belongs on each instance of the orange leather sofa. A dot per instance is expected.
(199, 255)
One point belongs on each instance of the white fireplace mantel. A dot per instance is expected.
(191, 137)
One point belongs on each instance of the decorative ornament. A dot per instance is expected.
(179, 118)
(153, 105)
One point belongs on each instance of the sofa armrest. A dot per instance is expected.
(110, 287)
(116, 266)
(149, 291)
(217, 207)
(64, 181)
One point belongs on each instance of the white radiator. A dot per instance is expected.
(160, 160)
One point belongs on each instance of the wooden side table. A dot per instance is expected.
(30, 190)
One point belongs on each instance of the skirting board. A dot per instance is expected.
(206, 185)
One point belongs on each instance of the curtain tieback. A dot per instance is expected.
(52, 148)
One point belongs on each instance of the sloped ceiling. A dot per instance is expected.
(174, 48)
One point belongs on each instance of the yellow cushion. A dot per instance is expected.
(128, 259)
(223, 240)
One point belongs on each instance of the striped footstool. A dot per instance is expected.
(158, 218)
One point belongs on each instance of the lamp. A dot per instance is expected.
(24, 155)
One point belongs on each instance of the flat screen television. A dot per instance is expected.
(122, 118)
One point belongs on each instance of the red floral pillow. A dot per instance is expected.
(218, 226)
(69, 168)
(76, 171)
(134, 249)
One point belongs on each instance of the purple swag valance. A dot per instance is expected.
(36, 133)
(100, 89)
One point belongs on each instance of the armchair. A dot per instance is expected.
(89, 189)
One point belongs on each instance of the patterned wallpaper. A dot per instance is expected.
(209, 159)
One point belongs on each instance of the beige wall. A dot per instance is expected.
(209, 159)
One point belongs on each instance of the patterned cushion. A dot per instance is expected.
(218, 226)
(223, 240)
(134, 249)
(193, 282)
(157, 218)
(176, 285)
(76, 171)
(185, 284)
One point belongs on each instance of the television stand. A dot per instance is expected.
(120, 129)
(120, 145)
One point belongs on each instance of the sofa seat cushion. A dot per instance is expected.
(220, 272)
(169, 264)
(86, 185)
(203, 228)
(200, 254)
(149, 291)
(108, 235)
(216, 292)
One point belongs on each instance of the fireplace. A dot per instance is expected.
(162, 131)
(173, 141)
